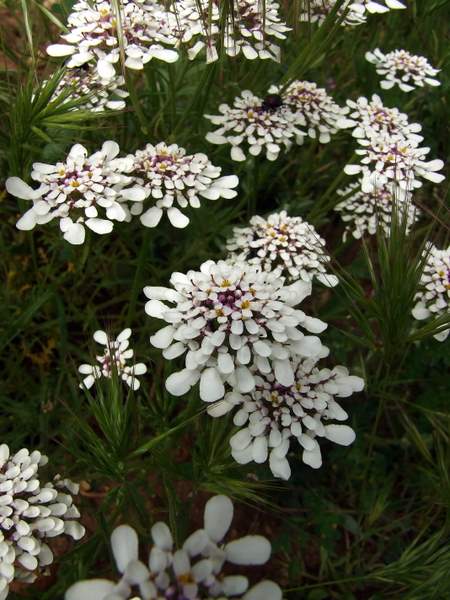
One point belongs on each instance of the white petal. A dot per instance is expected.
(100, 226)
(105, 69)
(196, 542)
(93, 589)
(264, 590)
(100, 337)
(27, 221)
(283, 372)
(234, 585)
(279, 466)
(60, 50)
(18, 188)
(180, 383)
(125, 546)
(249, 550)
(151, 217)
(218, 516)
(340, 434)
(177, 218)
(211, 386)
(75, 234)
(162, 536)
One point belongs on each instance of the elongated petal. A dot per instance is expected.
(93, 589)
(218, 516)
(249, 550)
(125, 546)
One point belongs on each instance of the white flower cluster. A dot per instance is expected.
(352, 12)
(403, 69)
(288, 244)
(82, 191)
(29, 514)
(392, 165)
(365, 212)
(94, 191)
(433, 298)
(193, 572)
(97, 36)
(113, 360)
(394, 159)
(98, 94)
(272, 414)
(371, 118)
(277, 121)
(167, 176)
(142, 30)
(312, 108)
(232, 320)
(262, 125)
(251, 27)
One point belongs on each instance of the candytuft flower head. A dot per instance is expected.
(194, 571)
(354, 12)
(278, 120)
(84, 191)
(365, 212)
(167, 177)
(369, 118)
(394, 159)
(403, 69)
(93, 36)
(312, 108)
(227, 318)
(250, 28)
(113, 360)
(30, 515)
(256, 124)
(85, 83)
(433, 297)
(272, 414)
(287, 243)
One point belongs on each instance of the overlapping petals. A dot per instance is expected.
(272, 414)
(289, 244)
(272, 124)
(250, 28)
(402, 69)
(351, 12)
(386, 159)
(195, 571)
(83, 191)
(367, 212)
(172, 180)
(371, 118)
(433, 297)
(97, 94)
(98, 35)
(31, 513)
(230, 320)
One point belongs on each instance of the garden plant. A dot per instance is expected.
(224, 312)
